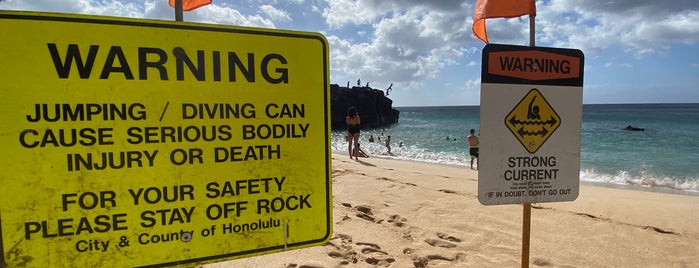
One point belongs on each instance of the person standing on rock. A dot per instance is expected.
(353, 125)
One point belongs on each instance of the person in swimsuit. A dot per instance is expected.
(473, 147)
(353, 122)
(388, 144)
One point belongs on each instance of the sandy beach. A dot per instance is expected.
(390, 213)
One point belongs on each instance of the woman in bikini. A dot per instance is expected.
(353, 121)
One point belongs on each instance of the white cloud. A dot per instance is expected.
(227, 15)
(406, 47)
(341, 12)
(470, 88)
(642, 27)
(274, 13)
(682, 27)
(111, 8)
(616, 65)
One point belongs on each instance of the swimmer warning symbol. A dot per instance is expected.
(532, 121)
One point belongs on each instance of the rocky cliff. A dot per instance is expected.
(374, 108)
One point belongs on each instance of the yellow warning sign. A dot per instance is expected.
(532, 120)
(145, 143)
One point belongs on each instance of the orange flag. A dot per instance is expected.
(189, 5)
(486, 9)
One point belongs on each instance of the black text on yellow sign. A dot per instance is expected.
(152, 143)
(86, 201)
(104, 136)
(94, 61)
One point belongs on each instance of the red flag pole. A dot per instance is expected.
(527, 207)
(178, 10)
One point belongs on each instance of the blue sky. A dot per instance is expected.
(636, 51)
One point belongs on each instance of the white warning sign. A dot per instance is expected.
(531, 115)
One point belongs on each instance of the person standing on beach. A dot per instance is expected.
(388, 144)
(473, 147)
(353, 121)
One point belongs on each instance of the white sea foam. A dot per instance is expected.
(415, 153)
(646, 179)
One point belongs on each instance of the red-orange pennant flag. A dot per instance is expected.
(487, 9)
(189, 5)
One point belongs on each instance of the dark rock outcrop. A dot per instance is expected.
(374, 108)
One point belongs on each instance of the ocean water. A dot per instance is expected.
(665, 156)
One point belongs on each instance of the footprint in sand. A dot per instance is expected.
(344, 218)
(344, 238)
(347, 257)
(422, 262)
(397, 220)
(344, 250)
(303, 266)
(364, 209)
(448, 237)
(440, 243)
(366, 217)
(448, 191)
(365, 213)
(376, 256)
(373, 248)
(408, 236)
(444, 241)
(380, 262)
(541, 262)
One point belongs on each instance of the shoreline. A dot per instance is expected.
(641, 188)
(389, 213)
(630, 187)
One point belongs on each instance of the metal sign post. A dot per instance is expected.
(179, 16)
(526, 207)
